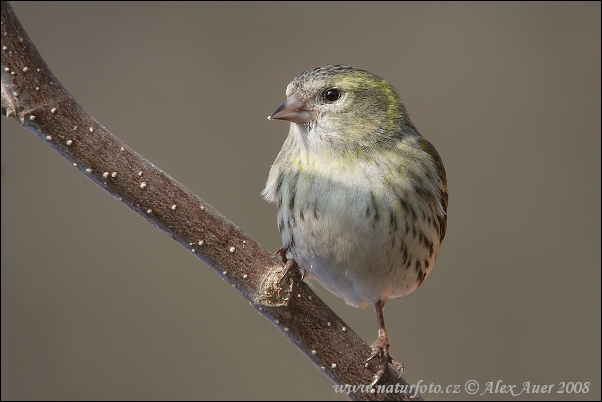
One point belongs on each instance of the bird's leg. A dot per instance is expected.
(380, 347)
(289, 265)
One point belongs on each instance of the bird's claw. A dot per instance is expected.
(380, 349)
(290, 266)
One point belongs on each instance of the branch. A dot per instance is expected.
(32, 95)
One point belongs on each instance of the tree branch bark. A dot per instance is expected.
(32, 95)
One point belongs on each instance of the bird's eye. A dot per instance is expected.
(332, 94)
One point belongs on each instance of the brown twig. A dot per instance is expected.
(32, 95)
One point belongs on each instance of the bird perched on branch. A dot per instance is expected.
(361, 195)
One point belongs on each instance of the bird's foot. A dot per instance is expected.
(290, 266)
(380, 350)
(281, 252)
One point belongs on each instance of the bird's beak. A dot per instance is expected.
(294, 110)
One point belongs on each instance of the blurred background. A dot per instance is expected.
(98, 304)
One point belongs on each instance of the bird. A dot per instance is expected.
(361, 194)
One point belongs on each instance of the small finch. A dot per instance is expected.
(361, 195)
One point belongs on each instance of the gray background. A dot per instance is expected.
(96, 303)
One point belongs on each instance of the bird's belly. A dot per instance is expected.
(362, 246)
